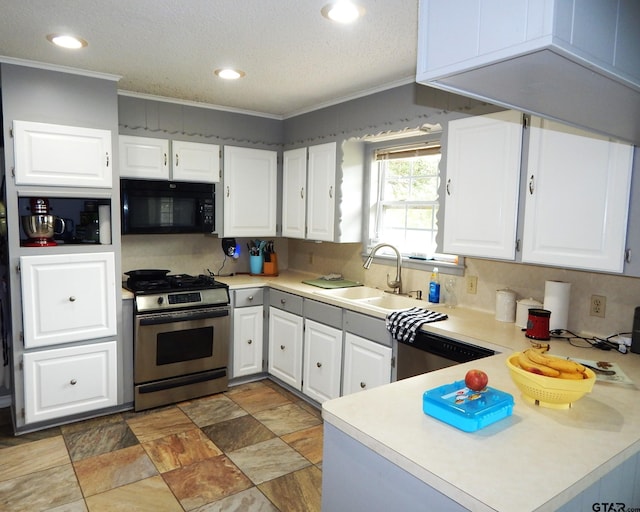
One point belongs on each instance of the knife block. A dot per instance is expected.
(270, 268)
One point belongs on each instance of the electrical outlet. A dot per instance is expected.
(598, 305)
(472, 284)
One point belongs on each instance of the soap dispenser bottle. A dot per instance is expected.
(434, 286)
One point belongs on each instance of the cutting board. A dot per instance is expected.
(339, 283)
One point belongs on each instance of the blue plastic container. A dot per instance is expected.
(465, 409)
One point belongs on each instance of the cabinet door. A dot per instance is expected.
(249, 196)
(577, 198)
(194, 161)
(322, 358)
(321, 197)
(68, 297)
(144, 158)
(294, 193)
(62, 156)
(285, 347)
(482, 181)
(366, 364)
(247, 340)
(71, 380)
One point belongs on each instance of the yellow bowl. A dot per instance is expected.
(549, 392)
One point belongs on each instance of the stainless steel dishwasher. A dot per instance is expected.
(430, 352)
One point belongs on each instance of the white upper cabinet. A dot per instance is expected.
(577, 198)
(197, 162)
(150, 158)
(67, 298)
(250, 192)
(322, 191)
(62, 156)
(482, 178)
(570, 60)
(144, 158)
(294, 193)
(321, 198)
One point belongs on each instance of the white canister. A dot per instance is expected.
(522, 310)
(505, 305)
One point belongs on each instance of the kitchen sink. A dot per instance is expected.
(355, 293)
(390, 302)
(375, 298)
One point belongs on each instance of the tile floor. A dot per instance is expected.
(255, 448)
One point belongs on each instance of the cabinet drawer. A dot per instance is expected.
(249, 297)
(286, 301)
(323, 313)
(68, 297)
(65, 381)
(368, 327)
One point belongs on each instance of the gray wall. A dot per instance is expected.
(161, 119)
(407, 106)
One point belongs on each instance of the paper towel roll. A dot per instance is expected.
(505, 305)
(556, 300)
(104, 223)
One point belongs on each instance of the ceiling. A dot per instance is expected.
(295, 60)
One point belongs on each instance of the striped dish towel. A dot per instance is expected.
(404, 323)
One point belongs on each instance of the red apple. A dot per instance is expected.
(476, 380)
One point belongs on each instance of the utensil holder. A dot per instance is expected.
(255, 264)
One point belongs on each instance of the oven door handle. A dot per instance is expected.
(182, 317)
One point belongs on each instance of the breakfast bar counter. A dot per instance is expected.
(382, 452)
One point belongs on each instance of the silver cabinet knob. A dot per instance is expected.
(73, 382)
(363, 385)
(281, 347)
(250, 297)
(72, 299)
(283, 301)
(249, 342)
(319, 364)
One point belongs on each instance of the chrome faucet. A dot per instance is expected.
(396, 284)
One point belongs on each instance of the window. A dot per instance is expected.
(404, 197)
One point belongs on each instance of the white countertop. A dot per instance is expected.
(556, 452)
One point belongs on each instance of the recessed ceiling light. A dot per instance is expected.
(229, 74)
(67, 41)
(342, 11)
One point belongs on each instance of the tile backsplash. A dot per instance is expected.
(194, 254)
(622, 293)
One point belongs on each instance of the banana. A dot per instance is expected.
(572, 375)
(533, 367)
(562, 365)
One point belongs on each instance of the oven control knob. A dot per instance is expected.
(160, 300)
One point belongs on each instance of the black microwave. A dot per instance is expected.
(161, 207)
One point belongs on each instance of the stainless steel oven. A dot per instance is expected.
(181, 342)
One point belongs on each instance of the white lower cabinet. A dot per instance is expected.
(366, 364)
(68, 297)
(285, 346)
(247, 340)
(65, 381)
(322, 358)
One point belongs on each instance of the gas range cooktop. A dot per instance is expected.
(175, 282)
(157, 292)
